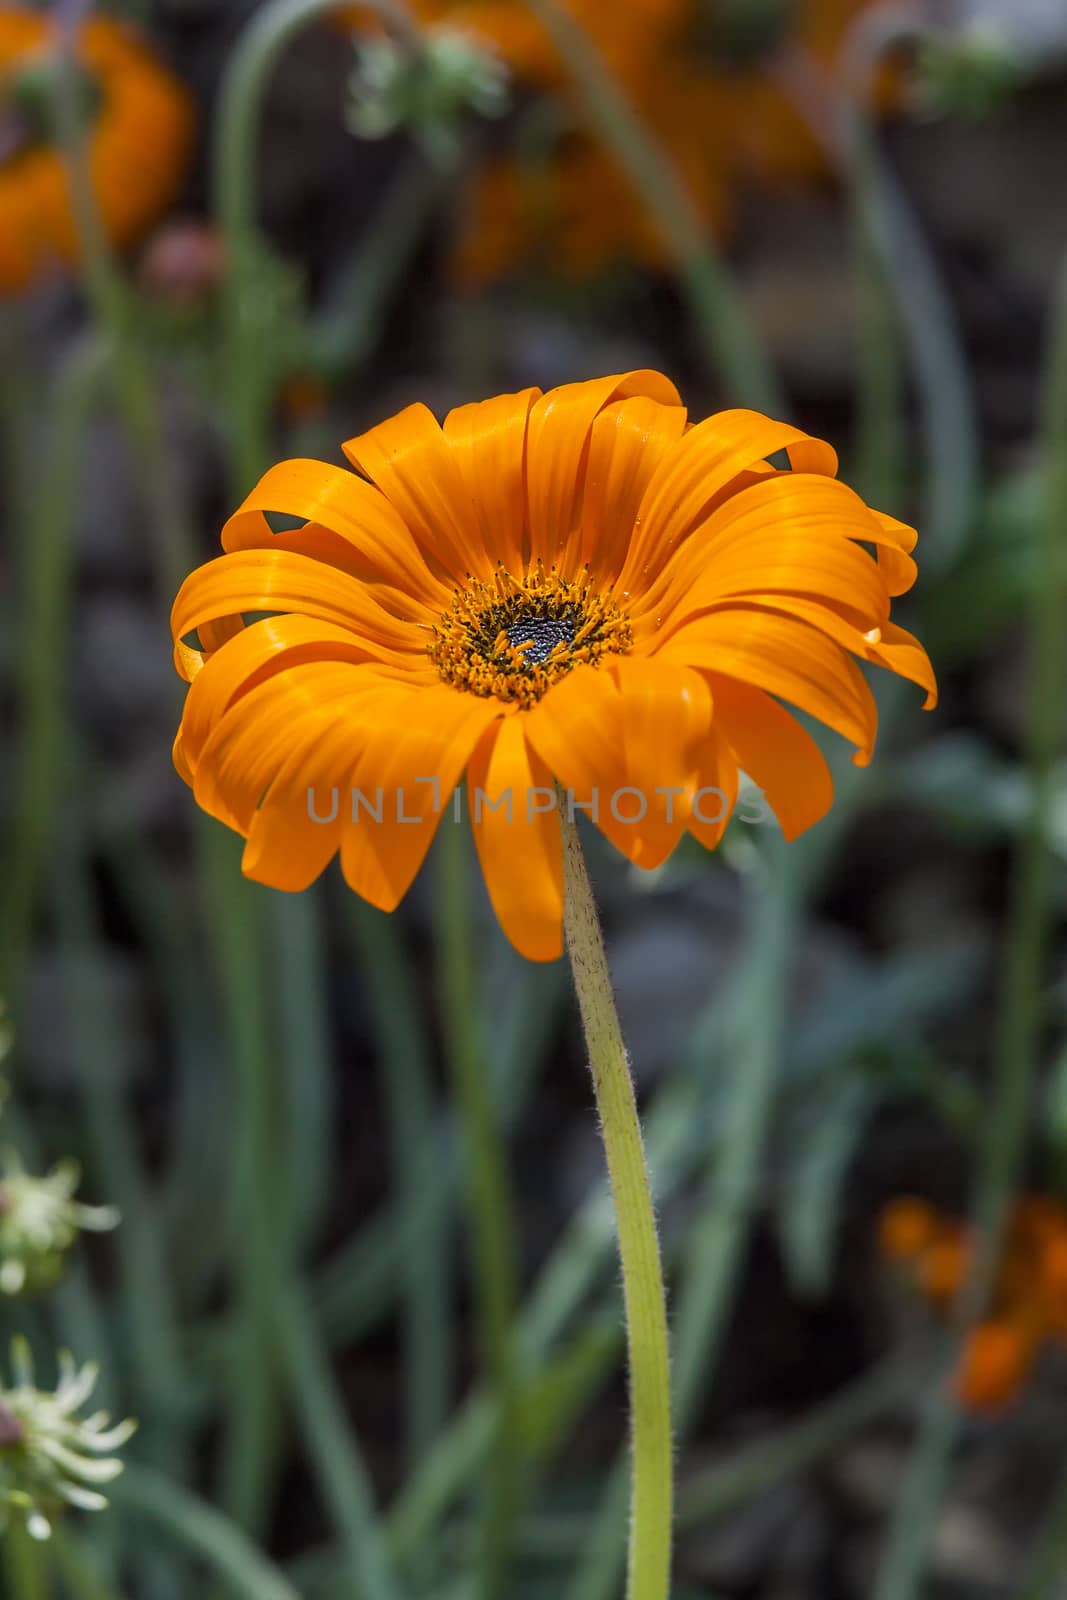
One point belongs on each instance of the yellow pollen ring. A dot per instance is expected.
(512, 638)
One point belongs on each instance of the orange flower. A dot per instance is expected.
(1029, 1298)
(907, 1227)
(716, 121)
(138, 142)
(577, 587)
(996, 1362)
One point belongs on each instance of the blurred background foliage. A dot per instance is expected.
(288, 221)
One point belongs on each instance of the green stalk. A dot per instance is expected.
(47, 551)
(1019, 1022)
(82, 1579)
(642, 1274)
(113, 307)
(729, 343)
(489, 1202)
(307, 1063)
(250, 1449)
(26, 1564)
(902, 265)
(426, 1231)
(715, 1246)
(197, 1527)
(248, 365)
(342, 1474)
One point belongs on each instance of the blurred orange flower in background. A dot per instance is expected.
(576, 586)
(1029, 1301)
(140, 128)
(720, 116)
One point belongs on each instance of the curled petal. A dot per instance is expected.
(692, 479)
(788, 658)
(410, 460)
(276, 580)
(373, 542)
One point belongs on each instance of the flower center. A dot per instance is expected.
(515, 637)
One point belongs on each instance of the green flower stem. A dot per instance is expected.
(47, 553)
(728, 340)
(249, 364)
(676, 1142)
(197, 1527)
(425, 1245)
(82, 1578)
(489, 1201)
(114, 309)
(642, 1274)
(247, 1459)
(341, 337)
(1019, 1023)
(715, 1247)
(25, 1563)
(840, 120)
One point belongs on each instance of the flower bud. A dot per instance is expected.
(431, 90)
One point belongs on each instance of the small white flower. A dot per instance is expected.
(49, 1457)
(39, 1221)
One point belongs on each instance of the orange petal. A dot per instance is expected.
(789, 659)
(626, 445)
(410, 460)
(277, 580)
(488, 444)
(779, 756)
(700, 470)
(252, 742)
(269, 646)
(557, 447)
(716, 796)
(369, 528)
(666, 715)
(518, 844)
(413, 747)
(577, 731)
(894, 554)
(886, 646)
(793, 532)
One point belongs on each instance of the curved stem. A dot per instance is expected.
(642, 1272)
(489, 1201)
(267, 36)
(719, 316)
(1019, 1022)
